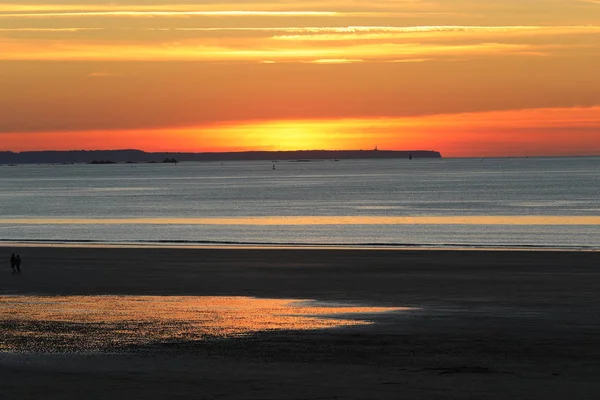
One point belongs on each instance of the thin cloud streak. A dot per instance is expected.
(41, 50)
(519, 118)
(398, 29)
(391, 32)
(373, 8)
(407, 5)
(336, 61)
(173, 14)
(355, 33)
(50, 29)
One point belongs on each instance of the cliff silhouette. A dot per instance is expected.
(123, 156)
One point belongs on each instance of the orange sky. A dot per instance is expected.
(464, 77)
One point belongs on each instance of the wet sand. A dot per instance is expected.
(489, 325)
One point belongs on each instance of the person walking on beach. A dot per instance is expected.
(18, 264)
(13, 262)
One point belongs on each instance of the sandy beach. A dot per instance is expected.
(485, 325)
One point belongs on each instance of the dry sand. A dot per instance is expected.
(491, 325)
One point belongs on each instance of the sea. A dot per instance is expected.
(538, 203)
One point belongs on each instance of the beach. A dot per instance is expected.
(481, 324)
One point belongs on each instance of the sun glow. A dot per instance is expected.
(289, 135)
(517, 133)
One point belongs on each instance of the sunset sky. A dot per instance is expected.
(464, 77)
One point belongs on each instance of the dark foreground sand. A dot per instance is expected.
(491, 325)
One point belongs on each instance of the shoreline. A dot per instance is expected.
(284, 246)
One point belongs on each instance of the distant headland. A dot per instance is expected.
(139, 156)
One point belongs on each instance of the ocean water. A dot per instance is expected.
(510, 202)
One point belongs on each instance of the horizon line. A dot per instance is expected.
(204, 152)
(475, 156)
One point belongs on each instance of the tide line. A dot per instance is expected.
(318, 220)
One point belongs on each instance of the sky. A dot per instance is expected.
(468, 78)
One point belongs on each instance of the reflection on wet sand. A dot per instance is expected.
(88, 323)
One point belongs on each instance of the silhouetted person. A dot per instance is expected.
(18, 264)
(13, 262)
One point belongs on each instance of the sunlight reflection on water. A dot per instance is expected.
(94, 323)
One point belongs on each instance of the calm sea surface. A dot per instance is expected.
(536, 202)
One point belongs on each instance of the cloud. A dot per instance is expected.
(11, 49)
(145, 14)
(398, 32)
(336, 61)
(373, 6)
(50, 29)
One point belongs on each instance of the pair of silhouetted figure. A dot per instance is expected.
(15, 263)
